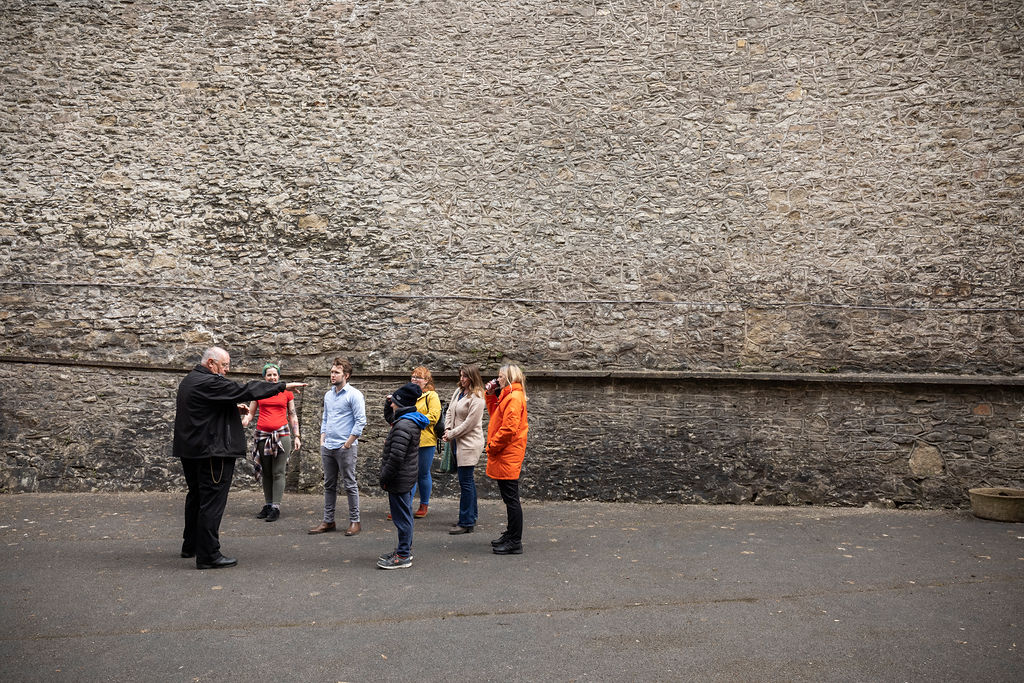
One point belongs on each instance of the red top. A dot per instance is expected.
(273, 412)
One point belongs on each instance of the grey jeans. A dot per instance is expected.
(343, 461)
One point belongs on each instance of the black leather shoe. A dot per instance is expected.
(508, 548)
(220, 563)
(185, 553)
(500, 539)
(460, 530)
(273, 515)
(264, 512)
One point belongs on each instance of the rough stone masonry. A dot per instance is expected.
(746, 251)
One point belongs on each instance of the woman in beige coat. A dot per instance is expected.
(464, 431)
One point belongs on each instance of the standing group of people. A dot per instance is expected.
(210, 417)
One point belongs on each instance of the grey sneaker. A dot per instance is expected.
(396, 561)
(388, 556)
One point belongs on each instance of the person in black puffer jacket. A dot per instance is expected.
(399, 468)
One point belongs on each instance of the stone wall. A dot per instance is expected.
(716, 187)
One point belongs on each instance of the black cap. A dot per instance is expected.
(406, 395)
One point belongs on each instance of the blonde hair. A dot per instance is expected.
(425, 374)
(514, 375)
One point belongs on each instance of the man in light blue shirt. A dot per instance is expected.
(342, 424)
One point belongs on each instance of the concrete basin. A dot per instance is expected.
(1000, 504)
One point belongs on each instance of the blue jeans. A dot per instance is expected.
(424, 482)
(467, 497)
(401, 515)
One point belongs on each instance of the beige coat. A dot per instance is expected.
(463, 423)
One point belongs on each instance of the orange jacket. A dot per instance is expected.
(506, 432)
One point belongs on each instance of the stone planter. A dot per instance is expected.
(1002, 505)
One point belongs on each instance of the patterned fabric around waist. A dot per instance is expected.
(268, 444)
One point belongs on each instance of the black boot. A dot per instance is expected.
(509, 547)
(264, 512)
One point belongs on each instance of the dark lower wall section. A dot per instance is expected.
(67, 428)
(774, 443)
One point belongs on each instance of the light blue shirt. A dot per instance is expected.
(344, 415)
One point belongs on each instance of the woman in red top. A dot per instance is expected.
(506, 446)
(277, 431)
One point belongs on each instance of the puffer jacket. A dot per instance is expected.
(506, 432)
(400, 463)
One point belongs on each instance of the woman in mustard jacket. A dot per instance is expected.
(430, 405)
(506, 446)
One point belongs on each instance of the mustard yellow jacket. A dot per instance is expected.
(430, 405)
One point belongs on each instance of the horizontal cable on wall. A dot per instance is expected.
(555, 375)
(724, 305)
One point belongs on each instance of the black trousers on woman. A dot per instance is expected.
(509, 489)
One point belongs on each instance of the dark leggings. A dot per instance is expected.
(509, 489)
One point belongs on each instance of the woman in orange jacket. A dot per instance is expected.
(506, 446)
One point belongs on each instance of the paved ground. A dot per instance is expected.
(92, 588)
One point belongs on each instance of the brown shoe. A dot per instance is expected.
(421, 513)
(353, 529)
(322, 527)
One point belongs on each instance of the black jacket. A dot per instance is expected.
(400, 464)
(206, 423)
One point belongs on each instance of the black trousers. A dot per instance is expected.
(208, 482)
(509, 489)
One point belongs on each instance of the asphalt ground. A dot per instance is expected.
(92, 588)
